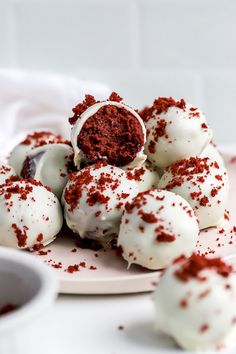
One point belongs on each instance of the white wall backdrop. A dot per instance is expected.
(141, 48)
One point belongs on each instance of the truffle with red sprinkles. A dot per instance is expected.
(157, 226)
(175, 130)
(108, 130)
(203, 183)
(146, 176)
(30, 216)
(211, 151)
(6, 172)
(193, 302)
(32, 140)
(50, 164)
(94, 200)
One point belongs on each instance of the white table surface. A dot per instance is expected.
(89, 324)
(79, 324)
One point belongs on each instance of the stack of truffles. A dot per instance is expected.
(146, 180)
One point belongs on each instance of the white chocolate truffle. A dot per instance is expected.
(205, 186)
(30, 216)
(94, 200)
(156, 227)
(145, 176)
(35, 139)
(213, 154)
(6, 172)
(50, 165)
(108, 130)
(194, 303)
(175, 130)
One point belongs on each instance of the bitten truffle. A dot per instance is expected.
(156, 227)
(108, 130)
(50, 164)
(175, 130)
(94, 200)
(203, 183)
(194, 302)
(32, 140)
(30, 215)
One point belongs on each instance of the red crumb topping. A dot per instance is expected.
(183, 303)
(43, 253)
(204, 328)
(4, 169)
(97, 197)
(20, 234)
(159, 131)
(7, 308)
(76, 267)
(136, 174)
(194, 170)
(82, 107)
(40, 237)
(94, 187)
(193, 267)
(43, 138)
(88, 102)
(161, 105)
(115, 97)
(145, 114)
(204, 201)
(92, 267)
(23, 188)
(112, 133)
(163, 236)
(188, 167)
(148, 217)
(139, 200)
(73, 192)
(73, 268)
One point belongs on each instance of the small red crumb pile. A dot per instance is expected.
(77, 267)
(7, 308)
(161, 105)
(192, 267)
(4, 169)
(112, 133)
(43, 138)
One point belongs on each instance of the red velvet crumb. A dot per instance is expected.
(20, 234)
(161, 105)
(193, 267)
(43, 138)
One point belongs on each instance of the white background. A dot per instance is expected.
(142, 48)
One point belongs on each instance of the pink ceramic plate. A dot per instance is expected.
(105, 273)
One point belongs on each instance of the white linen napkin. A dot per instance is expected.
(34, 100)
